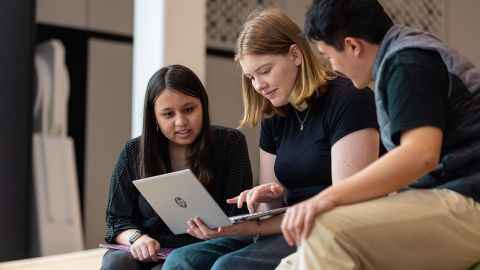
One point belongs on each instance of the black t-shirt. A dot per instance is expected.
(416, 85)
(419, 91)
(303, 157)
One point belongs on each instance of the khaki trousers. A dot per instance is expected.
(416, 229)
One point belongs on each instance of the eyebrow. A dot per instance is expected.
(266, 64)
(183, 106)
(189, 104)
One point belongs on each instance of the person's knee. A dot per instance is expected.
(226, 262)
(176, 259)
(335, 222)
(332, 233)
(327, 228)
(118, 260)
(197, 256)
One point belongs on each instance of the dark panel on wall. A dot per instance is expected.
(16, 67)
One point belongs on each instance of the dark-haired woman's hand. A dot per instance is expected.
(145, 249)
(260, 194)
(197, 228)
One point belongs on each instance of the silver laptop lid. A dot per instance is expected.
(178, 197)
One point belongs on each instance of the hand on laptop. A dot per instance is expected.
(262, 193)
(145, 249)
(197, 228)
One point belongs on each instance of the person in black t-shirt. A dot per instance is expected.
(316, 130)
(418, 206)
(176, 135)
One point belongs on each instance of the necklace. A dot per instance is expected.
(304, 118)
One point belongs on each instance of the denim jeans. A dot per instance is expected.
(230, 253)
(122, 260)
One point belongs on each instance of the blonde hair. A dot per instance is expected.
(270, 31)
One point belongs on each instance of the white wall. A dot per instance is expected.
(296, 10)
(463, 32)
(166, 32)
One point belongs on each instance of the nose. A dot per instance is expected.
(259, 84)
(181, 120)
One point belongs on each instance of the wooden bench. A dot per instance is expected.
(82, 260)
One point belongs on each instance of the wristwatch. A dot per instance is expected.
(134, 236)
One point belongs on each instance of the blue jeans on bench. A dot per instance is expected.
(233, 253)
(122, 260)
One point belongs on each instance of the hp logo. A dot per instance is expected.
(180, 202)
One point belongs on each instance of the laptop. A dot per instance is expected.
(178, 197)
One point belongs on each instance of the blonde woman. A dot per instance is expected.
(315, 131)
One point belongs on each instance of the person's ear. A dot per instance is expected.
(296, 54)
(353, 46)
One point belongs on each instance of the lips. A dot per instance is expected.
(183, 133)
(270, 94)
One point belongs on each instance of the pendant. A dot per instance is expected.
(301, 127)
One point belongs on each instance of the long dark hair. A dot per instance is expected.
(154, 157)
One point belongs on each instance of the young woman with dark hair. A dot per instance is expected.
(176, 135)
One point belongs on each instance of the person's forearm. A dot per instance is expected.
(270, 225)
(395, 170)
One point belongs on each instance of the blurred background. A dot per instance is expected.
(72, 78)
